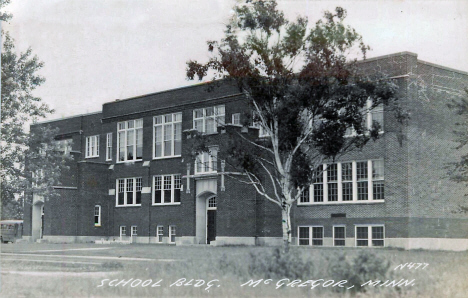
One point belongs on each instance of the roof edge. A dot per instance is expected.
(65, 118)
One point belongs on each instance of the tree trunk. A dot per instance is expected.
(286, 221)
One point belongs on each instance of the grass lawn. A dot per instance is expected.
(64, 270)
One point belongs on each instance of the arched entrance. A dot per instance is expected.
(37, 220)
(211, 219)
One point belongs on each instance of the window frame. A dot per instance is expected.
(132, 230)
(109, 146)
(89, 151)
(135, 146)
(173, 140)
(236, 117)
(122, 228)
(174, 178)
(322, 181)
(172, 233)
(216, 116)
(212, 161)
(368, 118)
(98, 223)
(135, 186)
(160, 236)
(310, 235)
(370, 239)
(334, 235)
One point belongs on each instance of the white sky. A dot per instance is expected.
(96, 51)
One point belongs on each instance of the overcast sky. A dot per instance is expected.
(96, 51)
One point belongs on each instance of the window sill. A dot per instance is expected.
(342, 203)
(129, 161)
(165, 204)
(360, 135)
(167, 157)
(97, 226)
(204, 174)
(120, 206)
(87, 157)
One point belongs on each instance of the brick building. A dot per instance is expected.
(134, 177)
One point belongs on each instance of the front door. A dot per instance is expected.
(211, 226)
(42, 222)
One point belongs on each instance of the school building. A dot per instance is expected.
(134, 176)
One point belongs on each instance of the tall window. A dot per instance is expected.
(97, 216)
(172, 234)
(362, 178)
(160, 233)
(207, 162)
(339, 235)
(64, 145)
(129, 191)
(130, 140)
(92, 146)
(167, 189)
(347, 182)
(332, 182)
(370, 235)
(208, 119)
(318, 185)
(109, 146)
(305, 195)
(311, 236)
(377, 116)
(134, 231)
(167, 135)
(378, 179)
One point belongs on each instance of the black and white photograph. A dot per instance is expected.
(234, 148)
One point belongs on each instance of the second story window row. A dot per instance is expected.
(207, 120)
(167, 135)
(130, 140)
(346, 182)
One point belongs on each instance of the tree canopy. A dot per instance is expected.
(306, 89)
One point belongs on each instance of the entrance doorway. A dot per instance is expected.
(211, 220)
(42, 222)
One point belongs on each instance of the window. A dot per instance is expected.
(317, 236)
(306, 234)
(212, 203)
(172, 234)
(370, 235)
(347, 182)
(371, 116)
(167, 131)
(109, 146)
(377, 180)
(97, 216)
(160, 233)
(208, 119)
(123, 231)
(261, 132)
(134, 231)
(332, 182)
(207, 162)
(130, 140)
(129, 192)
(64, 146)
(236, 119)
(318, 185)
(305, 196)
(339, 236)
(92, 146)
(362, 183)
(167, 189)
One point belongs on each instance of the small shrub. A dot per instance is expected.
(364, 267)
(277, 264)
